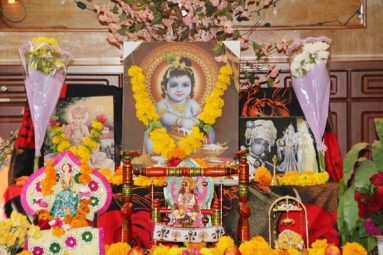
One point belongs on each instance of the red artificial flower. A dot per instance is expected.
(377, 179)
(360, 197)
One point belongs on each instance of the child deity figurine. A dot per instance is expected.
(66, 200)
(77, 130)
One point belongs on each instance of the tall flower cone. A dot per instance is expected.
(311, 82)
(44, 65)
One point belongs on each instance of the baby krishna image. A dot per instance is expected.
(180, 79)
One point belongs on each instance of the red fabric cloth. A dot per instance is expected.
(333, 157)
(320, 222)
(26, 136)
(63, 91)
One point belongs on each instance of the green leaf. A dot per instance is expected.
(157, 20)
(270, 82)
(379, 128)
(218, 48)
(236, 34)
(123, 31)
(349, 161)
(138, 26)
(365, 170)
(122, 17)
(350, 214)
(257, 46)
(377, 155)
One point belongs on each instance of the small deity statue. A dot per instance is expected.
(66, 200)
(186, 209)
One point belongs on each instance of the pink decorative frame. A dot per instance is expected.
(28, 187)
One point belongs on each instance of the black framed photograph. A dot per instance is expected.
(75, 113)
(287, 139)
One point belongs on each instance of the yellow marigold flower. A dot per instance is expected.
(353, 248)
(116, 179)
(83, 152)
(56, 139)
(97, 125)
(319, 243)
(226, 70)
(206, 251)
(175, 250)
(223, 243)
(134, 70)
(221, 85)
(64, 145)
(224, 78)
(139, 78)
(161, 250)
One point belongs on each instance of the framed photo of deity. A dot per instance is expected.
(76, 114)
(288, 139)
(181, 97)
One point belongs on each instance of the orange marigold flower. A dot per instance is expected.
(57, 231)
(84, 178)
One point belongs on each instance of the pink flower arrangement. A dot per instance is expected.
(173, 20)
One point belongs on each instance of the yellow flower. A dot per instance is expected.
(34, 232)
(97, 125)
(25, 253)
(134, 70)
(64, 145)
(223, 243)
(119, 248)
(354, 249)
(206, 251)
(226, 70)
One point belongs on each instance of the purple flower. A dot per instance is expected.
(93, 185)
(71, 242)
(371, 228)
(38, 250)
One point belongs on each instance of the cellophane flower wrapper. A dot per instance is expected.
(44, 69)
(312, 90)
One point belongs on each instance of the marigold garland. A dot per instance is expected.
(147, 114)
(307, 178)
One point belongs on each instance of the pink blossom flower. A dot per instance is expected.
(93, 186)
(71, 242)
(227, 26)
(215, 3)
(222, 58)
(38, 250)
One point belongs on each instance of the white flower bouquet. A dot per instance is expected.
(311, 82)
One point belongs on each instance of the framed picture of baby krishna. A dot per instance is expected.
(288, 140)
(181, 101)
(88, 125)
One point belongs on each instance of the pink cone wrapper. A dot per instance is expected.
(43, 92)
(313, 94)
